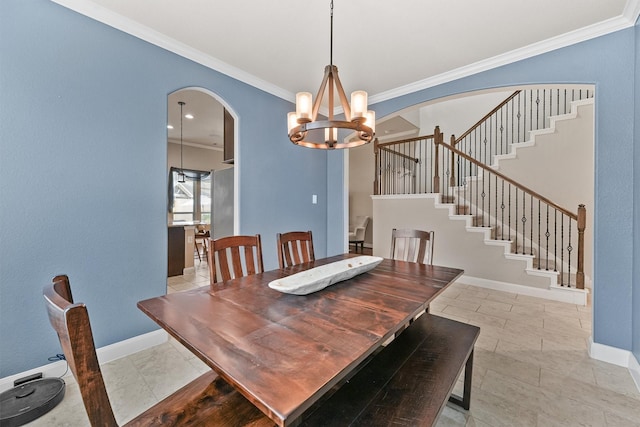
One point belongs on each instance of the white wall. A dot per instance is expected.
(560, 167)
(453, 245)
(454, 115)
(361, 177)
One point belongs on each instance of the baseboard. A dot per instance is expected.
(188, 270)
(634, 368)
(129, 346)
(105, 354)
(555, 293)
(616, 356)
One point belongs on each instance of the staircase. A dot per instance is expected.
(468, 208)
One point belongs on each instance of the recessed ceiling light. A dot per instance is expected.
(169, 127)
(188, 116)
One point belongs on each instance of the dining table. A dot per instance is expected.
(284, 352)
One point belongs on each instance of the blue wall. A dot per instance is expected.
(83, 112)
(81, 196)
(609, 63)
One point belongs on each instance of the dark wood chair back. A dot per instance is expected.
(206, 401)
(295, 247)
(64, 288)
(412, 246)
(71, 322)
(234, 256)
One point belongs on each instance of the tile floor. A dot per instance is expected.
(531, 367)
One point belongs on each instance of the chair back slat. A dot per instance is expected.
(71, 323)
(412, 245)
(295, 247)
(234, 256)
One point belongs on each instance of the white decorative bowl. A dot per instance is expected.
(318, 278)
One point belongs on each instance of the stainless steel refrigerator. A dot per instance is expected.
(222, 203)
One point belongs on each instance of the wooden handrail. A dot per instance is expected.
(417, 138)
(512, 182)
(489, 114)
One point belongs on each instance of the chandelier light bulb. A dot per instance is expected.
(303, 106)
(292, 121)
(358, 105)
(371, 120)
(330, 134)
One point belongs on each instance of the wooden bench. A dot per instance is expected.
(408, 382)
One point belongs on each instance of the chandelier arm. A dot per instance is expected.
(331, 87)
(342, 95)
(318, 100)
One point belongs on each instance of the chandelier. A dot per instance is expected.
(305, 118)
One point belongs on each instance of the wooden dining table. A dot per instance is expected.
(283, 352)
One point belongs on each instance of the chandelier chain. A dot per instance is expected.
(331, 40)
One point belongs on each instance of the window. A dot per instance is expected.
(190, 200)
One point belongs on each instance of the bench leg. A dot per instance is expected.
(465, 402)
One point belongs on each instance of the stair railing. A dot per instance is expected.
(535, 225)
(511, 121)
(408, 166)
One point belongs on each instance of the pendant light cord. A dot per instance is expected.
(181, 105)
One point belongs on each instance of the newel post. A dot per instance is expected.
(436, 170)
(452, 178)
(582, 224)
(376, 180)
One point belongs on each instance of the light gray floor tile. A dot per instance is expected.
(531, 367)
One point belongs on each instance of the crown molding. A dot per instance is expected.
(142, 32)
(628, 19)
(105, 16)
(632, 11)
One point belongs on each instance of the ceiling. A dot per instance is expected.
(205, 129)
(386, 48)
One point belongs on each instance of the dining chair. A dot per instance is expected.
(412, 245)
(206, 401)
(358, 230)
(295, 247)
(201, 236)
(234, 256)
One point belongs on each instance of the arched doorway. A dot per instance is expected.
(455, 115)
(201, 181)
